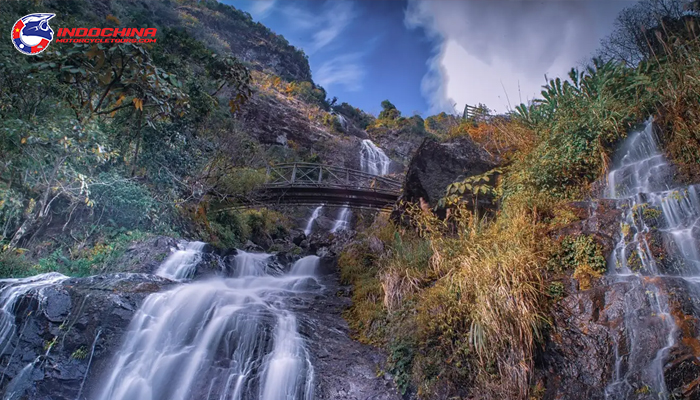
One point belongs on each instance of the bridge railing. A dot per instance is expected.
(318, 175)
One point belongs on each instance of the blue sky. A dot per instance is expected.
(427, 56)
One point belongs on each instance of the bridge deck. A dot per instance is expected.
(308, 183)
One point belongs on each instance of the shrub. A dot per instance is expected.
(124, 202)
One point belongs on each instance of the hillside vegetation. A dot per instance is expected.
(461, 304)
(103, 144)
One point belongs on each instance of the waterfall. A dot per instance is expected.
(343, 220)
(653, 212)
(13, 290)
(182, 263)
(372, 159)
(305, 266)
(343, 121)
(223, 339)
(310, 223)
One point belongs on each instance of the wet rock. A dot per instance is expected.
(298, 238)
(344, 369)
(56, 304)
(56, 329)
(436, 165)
(589, 329)
(144, 256)
(249, 246)
(599, 219)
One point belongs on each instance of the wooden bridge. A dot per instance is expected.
(313, 184)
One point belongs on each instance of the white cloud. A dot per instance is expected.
(328, 24)
(498, 52)
(262, 8)
(336, 17)
(300, 18)
(345, 70)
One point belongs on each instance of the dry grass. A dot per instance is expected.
(490, 305)
(501, 137)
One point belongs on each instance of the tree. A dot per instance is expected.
(630, 40)
(389, 111)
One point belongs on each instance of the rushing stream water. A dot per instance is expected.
(372, 159)
(222, 338)
(641, 182)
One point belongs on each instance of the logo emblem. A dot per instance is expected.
(32, 34)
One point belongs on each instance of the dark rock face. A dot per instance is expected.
(146, 256)
(436, 165)
(578, 360)
(599, 219)
(49, 354)
(56, 328)
(273, 120)
(344, 369)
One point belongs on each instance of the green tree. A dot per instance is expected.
(389, 111)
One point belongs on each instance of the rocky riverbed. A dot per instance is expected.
(60, 337)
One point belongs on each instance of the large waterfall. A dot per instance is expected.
(655, 214)
(372, 159)
(223, 338)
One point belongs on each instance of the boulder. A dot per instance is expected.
(436, 165)
(144, 256)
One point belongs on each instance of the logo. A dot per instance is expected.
(32, 34)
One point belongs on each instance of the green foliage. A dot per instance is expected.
(332, 122)
(361, 119)
(14, 264)
(389, 111)
(124, 202)
(241, 181)
(578, 251)
(471, 188)
(579, 121)
(115, 136)
(400, 363)
(555, 290)
(441, 124)
(80, 353)
(310, 93)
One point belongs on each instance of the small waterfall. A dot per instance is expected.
(310, 223)
(654, 214)
(182, 263)
(223, 339)
(372, 159)
(305, 266)
(11, 292)
(250, 264)
(343, 121)
(343, 220)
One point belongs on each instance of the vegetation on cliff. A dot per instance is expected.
(461, 303)
(101, 143)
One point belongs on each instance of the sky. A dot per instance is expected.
(428, 56)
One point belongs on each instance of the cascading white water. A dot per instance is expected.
(372, 159)
(181, 263)
(14, 289)
(343, 121)
(224, 339)
(310, 223)
(11, 292)
(342, 222)
(641, 183)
